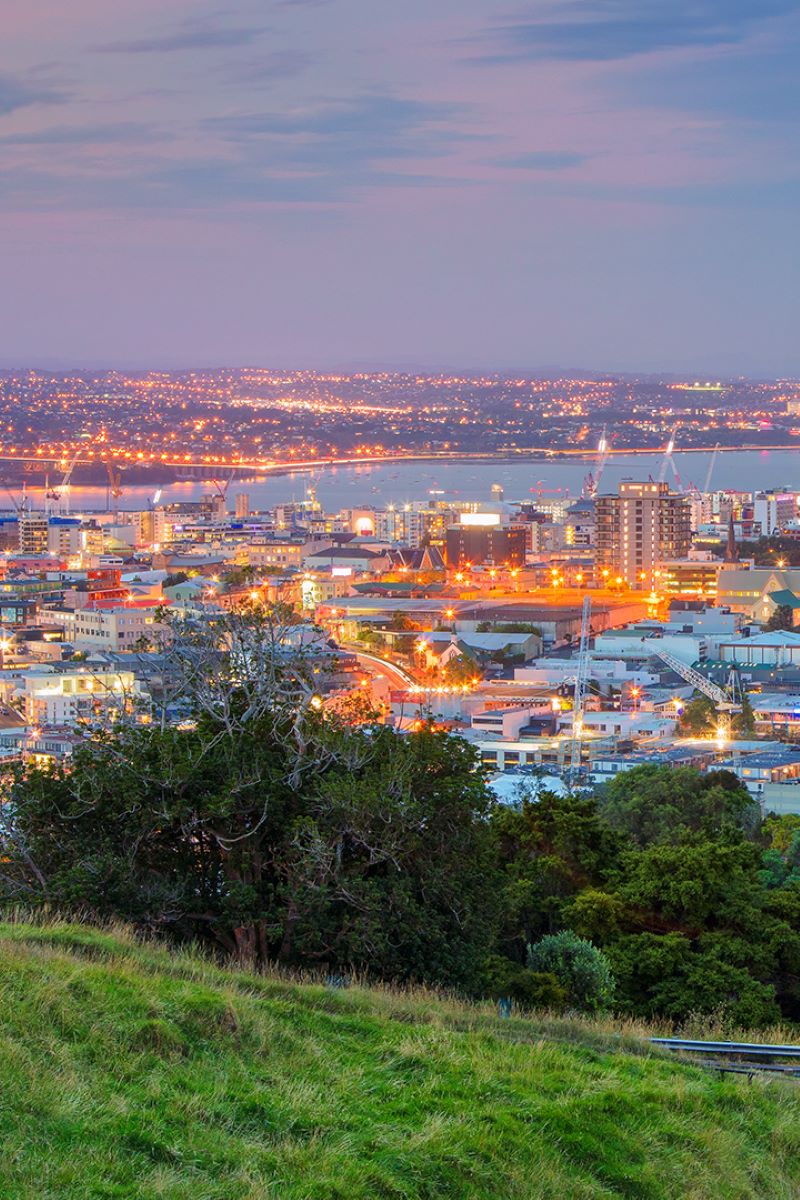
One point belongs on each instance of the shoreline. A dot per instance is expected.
(163, 474)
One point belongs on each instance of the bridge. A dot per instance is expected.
(33, 458)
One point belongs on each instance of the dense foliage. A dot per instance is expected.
(273, 830)
(379, 858)
(774, 551)
(670, 872)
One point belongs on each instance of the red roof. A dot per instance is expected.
(117, 605)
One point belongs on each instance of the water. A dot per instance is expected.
(384, 483)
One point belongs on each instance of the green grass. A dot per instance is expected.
(129, 1071)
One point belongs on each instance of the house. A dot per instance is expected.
(423, 558)
(109, 625)
(486, 646)
(643, 642)
(777, 715)
(750, 591)
(617, 724)
(439, 650)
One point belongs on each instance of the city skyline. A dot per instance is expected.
(327, 183)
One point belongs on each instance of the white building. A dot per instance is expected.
(59, 696)
(115, 628)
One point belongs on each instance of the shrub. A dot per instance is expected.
(581, 969)
(507, 980)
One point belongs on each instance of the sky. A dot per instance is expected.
(602, 184)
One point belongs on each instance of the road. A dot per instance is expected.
(397, 676)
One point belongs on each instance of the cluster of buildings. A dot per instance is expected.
(472, 614)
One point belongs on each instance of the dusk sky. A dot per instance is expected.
(612, 184)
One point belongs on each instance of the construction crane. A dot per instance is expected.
(710, 470)
(221, 485)
(114, 487)
(669, 461)
(591, 484)
(579, 694)
(19, 505)
(54, 495)
(724, 699)
(693, 490)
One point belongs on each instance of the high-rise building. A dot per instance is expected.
(643, 525)
(414, 524)
(243, 505)
(33, 532)
(152, 527)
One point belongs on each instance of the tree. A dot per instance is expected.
(238, 577)
(670, 875)
(267, 826)
(174, 578)
(666, 976)
(400, 623)
(774, 551)
(744, 722)
(781, 862)
(550, 849)
(653, 804)
(517, 627)
(581, 969)
(699, 717)
(462, 669)
(781, 618)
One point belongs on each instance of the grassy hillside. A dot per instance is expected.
(127, 1071)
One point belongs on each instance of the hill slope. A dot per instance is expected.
(127, 1071)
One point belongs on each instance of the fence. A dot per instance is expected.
(740, 1058)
